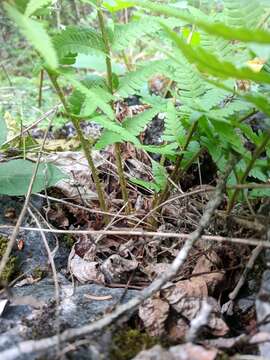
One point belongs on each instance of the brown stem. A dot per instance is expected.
(85, 145)
(40, 88)
(117, 150)
(255, 156)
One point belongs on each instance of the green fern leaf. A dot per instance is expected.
(34, 5)
(108, 138)
(75, 39)
(239, 13)
(145, 184)
(96, 96)
(210, 64)
(244, 34)
(116, 128)
(133, 81)
(35, 34)
(136, 124)
(174, 131)
(160, 175)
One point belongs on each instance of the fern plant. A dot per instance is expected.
(203, 57)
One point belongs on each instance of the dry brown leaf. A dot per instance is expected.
(126, 248)
(210, 265)
(196, 287)
(57, 216)
(85, 271)
(115, 266)
(177, 330)
(75, 165)
(154, 270)
(154, 313)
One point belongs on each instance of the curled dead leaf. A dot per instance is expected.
(196, 287)
(154, 270)
(208, 266)
(154, 313)
(115, 266)
(85, 271)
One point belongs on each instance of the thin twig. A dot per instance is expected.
(16, 229)
(250, 241)
(39, 120)
(54, 273)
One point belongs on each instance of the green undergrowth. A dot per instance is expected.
(127, 343)
(11, 269)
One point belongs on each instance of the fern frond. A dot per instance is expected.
(136, 124)
(97, 96)
(116, 128)
(227, 111)
(133, 81)
(126, 34)
(35, 34)
(75, 39)
(239, 13)
(34, 5)
(190, 82)
(108, 138)
(174, 131)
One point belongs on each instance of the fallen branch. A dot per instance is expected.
(27, 347)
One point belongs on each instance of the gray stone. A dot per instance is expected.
(23, 322)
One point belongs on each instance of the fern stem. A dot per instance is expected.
(41, 78)
(175, 175)
(107, 49)
(85, 145)
(117, 150)
(255, 156)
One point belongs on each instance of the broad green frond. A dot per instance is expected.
(75, 39)
(228, 110)
(244, 34)
(135, 80)
(116, 128)
(209, 63)
(108, 138)
(34, 5)
(97, 96)
(160, 175)
(126, 34)
(239, 13)
(35, 34)
(174, 131)
(136, 124)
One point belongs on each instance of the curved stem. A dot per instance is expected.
(85, 145)
(255, 156)
(119, 165)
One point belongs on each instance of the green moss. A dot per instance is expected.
(127, 343)
(38, 273)
(69, 240)
(223, 356)
(11, 268)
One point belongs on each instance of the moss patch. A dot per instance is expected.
(69, 240)
(11, 269)
(127, 343)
